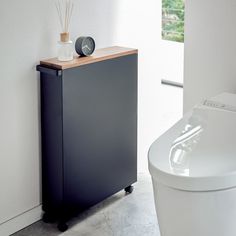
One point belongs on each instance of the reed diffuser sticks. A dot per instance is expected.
(64, 9)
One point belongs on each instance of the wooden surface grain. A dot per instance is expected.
(98, 55)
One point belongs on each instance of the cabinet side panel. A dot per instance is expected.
(100, 129)
(51, 121)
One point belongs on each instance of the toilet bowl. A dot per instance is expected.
(193, 169)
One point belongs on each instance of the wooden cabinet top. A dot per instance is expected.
(98, 55)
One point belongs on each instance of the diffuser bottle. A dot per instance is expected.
(65, 50)
(64, 10)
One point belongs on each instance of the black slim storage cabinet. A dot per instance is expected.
(89, 130)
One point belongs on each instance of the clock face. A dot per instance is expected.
(88, 46)
(85, 46)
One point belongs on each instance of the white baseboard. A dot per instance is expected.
(19, 222)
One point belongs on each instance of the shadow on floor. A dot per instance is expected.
(119, 215)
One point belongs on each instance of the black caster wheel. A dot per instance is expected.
(62, 227)
(129, 189)
(47, 218)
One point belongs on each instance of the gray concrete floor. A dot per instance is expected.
(119, 215)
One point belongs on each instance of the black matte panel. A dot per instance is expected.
(52, 156)
(99, 129)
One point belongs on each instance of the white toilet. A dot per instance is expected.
(193, 168)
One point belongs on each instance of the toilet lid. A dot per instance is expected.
(199, 152)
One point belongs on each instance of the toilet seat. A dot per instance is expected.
(204, 140)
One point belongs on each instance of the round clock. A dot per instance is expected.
(85, 46)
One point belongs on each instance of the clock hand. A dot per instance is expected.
(86, 46)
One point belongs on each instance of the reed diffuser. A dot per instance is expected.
(65, 9)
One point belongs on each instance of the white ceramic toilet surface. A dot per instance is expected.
(193, 168)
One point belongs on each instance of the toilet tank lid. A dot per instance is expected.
(199, 152)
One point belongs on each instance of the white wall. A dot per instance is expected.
(29, 32)
(172, 54)
(210, 49)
